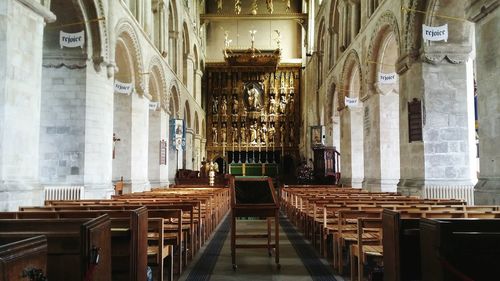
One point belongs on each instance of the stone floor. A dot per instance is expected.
(255, 264)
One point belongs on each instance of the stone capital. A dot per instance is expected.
(39, 9)
(442, 54)
(479, 9)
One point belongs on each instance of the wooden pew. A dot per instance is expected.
(135, 234)
(23, 258)
(191, 228)
(401, 240)
(77, 248)
(460, 249)
(128, 236)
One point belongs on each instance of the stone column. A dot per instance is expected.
(148, 19)
(203, 147)
(162, 26)
(342, 24)
(351, 139)
(98, 134)
(197, 152)
(139, 144)
(198, 79)
(354, 18)
(20, 100)
(486, 15)
(189, 149)
(381, 145)
(172, 49)
(158, 131)
(190, 75)
(446, 156)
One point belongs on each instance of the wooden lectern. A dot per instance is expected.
(254, 197)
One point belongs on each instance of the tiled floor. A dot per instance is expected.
(255, 264)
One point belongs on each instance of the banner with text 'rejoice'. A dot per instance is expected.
(387, 78)
(153, 105)
(351, 102)
(123, 88)
(435, 33)
(72, 40)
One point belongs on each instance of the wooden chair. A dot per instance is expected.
(119, 187)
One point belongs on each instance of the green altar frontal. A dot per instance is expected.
(254, 169)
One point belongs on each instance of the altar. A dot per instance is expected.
(254, 169)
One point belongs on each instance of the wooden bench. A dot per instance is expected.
(77, 249)
(23, 258)
(460, 249)
(135, 235)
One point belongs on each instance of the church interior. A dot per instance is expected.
(160, 139)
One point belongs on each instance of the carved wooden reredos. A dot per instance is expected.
(252, 109)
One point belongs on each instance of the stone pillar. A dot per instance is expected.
(351, 139)
(446, 156)
(139, 144)
(354, 18)
(197, 152)
(162, 26)
(189, 149)
(363, 5)
(189, 72)
(486, 15)
(98, 161)
(158, 131)
(20, 100)
(148, 19)
(342, 24)
(204, 148)
(198, 79)
(173, 45)
(172, 156)
(381, 145)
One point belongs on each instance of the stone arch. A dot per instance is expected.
(174, 103)
(320, 47)
(96, 37)
(127, 35)
(187, 115)
(333, 26)
(156, 70)
(351, 64)
(203, 129)
(351, 119)
(383, 110)
(458, 31)
(386, 29)
(186, 52)
(173, 29)
(196, 123)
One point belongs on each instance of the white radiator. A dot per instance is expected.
(63, 192)
(465, 192)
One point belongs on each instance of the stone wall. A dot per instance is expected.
(62, 126)
(20, 97)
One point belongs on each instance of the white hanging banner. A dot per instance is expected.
(153, 105)
(72, 40)
(351, 102)
(123, 88)
(435, 33)
(387, 78)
